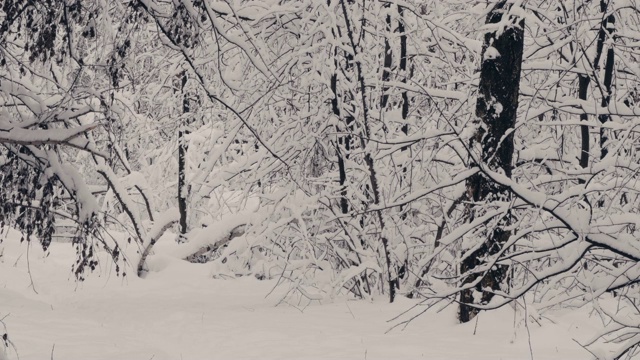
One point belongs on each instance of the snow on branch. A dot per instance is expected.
(571, 221)
(163, 222)
(19, 136)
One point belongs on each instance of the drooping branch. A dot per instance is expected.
(164, 222)
(122, 197)
(20, 136)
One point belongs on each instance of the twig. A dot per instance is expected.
(33, 285)
(6, 339)
(351, 312)
(475, 328)
(526, 325)
(585, 348)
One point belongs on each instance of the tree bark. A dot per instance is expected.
(404, 179)
(388, 57)
(496, 109)
(368, 158)
(606, 29)
(606, 98)
(583, 87)
(182, 156)
(343, 147)
(403, 73)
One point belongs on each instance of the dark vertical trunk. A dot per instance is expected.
(343, 148)
(335, 108)
(342, 173)
(404, 180)
(344, 140)
(404, 76)
(583, 87)
(182, 156)
(388, 55)
(403, 73)
(497, 109)
(606, 98)
(606, 29)
(368, 159)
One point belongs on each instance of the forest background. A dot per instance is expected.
(476, 153)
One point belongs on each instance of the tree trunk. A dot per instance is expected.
(368, 158)
(405, 179)
(343, 147)
(403, 73)
(182, 156)
(386, 67)
(606, 29)
(496, 109)
(606, 98)
(344, 202)
(583, 87)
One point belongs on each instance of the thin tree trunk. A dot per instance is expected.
(403, 73)
(182, 156)
(343, 148)
(367, 157)
(497, 109)
(342, 173)
(405, 95)
(606, 98)
(583, 87)
(388, 57)
(606, 29)
(404, 179)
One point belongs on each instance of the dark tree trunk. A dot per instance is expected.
(386, 68)
(403, 73)
(583, 87)
(606, 29)
(496, 109)
(182, 156)
(343, 147)
(606, 98)
(405, 94)
(342, 155)
(404, 179)
(368, 159)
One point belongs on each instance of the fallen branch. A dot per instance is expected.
(164, 222)
(200, 255)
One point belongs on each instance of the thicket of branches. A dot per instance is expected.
(464, 152)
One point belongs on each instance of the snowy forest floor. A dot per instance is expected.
(181, 313)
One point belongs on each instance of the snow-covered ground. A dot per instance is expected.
(181, 313)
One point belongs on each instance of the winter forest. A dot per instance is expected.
(468, 167)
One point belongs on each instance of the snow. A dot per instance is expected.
(201, 237)
(170, 216)
(491, 53)
(14, 135)
(498, 108)
(122, 195)
(182, 313)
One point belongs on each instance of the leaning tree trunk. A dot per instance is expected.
(496, 109)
